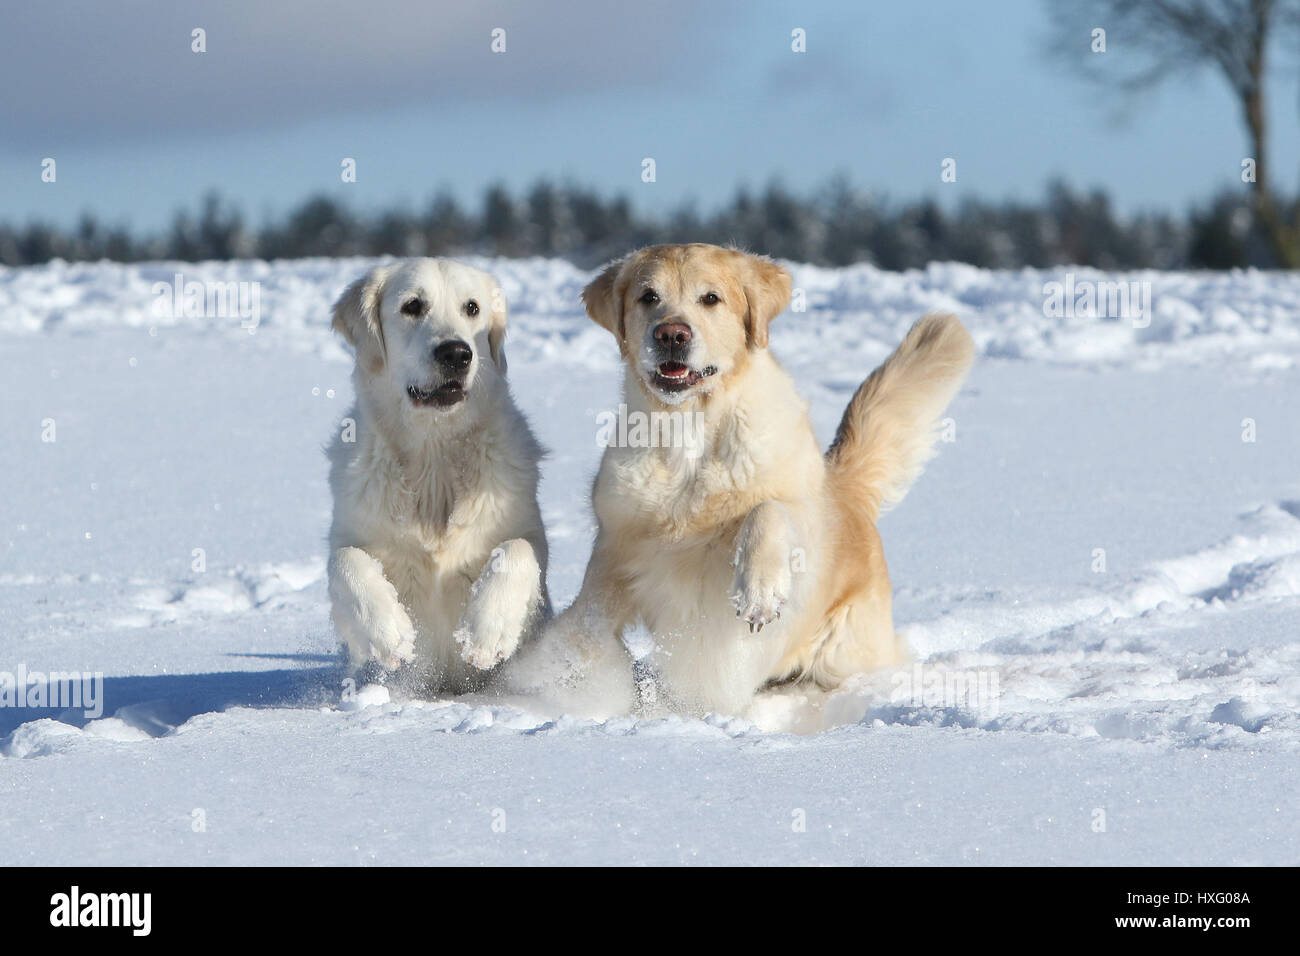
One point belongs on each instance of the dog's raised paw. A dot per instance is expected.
(392, 641)
(757, 607)
(500, 604)
(762, 582)
(367, 612)
(484, 646)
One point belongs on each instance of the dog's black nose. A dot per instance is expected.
(672, 333)
(454, 354)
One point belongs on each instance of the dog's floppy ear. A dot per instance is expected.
(767, 292)
(497, 327)
(356, 318)
(603, 298)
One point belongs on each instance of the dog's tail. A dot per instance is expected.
(889, 429)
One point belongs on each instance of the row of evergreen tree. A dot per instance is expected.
(835, 226)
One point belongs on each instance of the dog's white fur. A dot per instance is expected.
(437, 550)
(751, 557)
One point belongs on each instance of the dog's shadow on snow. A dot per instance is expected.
(159, 703)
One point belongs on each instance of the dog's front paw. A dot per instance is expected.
(758, 602)
(392, 641)
(367, 612)
(485, 644)
(382, 634)
(502, 602)
(762, 583)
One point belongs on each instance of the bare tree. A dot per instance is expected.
(1235, 37)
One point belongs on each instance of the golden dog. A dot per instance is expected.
(749, 555)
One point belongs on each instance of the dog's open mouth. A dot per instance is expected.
(678, 376)
(443, 396)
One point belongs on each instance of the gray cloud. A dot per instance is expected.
(72, 71)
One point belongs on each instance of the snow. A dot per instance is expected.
(1100, 579)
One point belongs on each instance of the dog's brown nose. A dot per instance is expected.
(672, 333)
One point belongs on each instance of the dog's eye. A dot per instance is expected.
(710, 298)
(649, 297)
(412, 307)
(471, 307)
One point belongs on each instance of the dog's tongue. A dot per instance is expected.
(673, 370)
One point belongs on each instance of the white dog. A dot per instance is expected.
(437, 551)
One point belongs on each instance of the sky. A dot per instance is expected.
(139, 125)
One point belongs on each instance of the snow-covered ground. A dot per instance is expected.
(1102, 552)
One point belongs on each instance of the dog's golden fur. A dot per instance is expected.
(753, 557)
